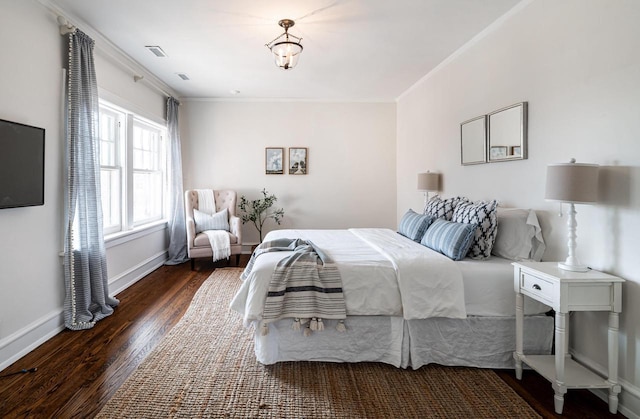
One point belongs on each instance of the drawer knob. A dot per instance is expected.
(536, 287)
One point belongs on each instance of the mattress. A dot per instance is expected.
(489, 289)
(383, 274)
(370, 281)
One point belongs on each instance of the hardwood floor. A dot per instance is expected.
(77, 372)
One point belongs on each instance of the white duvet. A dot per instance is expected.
(383, 274)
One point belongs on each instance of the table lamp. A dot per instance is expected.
(572, 183)
(428, 182)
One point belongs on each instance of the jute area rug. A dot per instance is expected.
(205, 368)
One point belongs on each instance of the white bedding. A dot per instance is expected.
(382, 273)
(488, 288)
(377, 328)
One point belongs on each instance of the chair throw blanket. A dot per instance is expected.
(220, 244)
(305, 286)
(218, 239)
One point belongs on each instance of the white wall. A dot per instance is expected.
(30, 82)
(31, 276)
(351, 152)
(577, 63)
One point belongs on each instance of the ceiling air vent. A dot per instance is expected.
(156, 50)
(183, 76)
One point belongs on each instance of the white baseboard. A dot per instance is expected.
(23, 341)
(629, 398)
(124, 280)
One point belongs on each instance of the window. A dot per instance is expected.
(147, 173)
(132, 169)
(111, 125)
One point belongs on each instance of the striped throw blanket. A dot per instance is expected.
(305, 286)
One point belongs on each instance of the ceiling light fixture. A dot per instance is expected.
(286, 48)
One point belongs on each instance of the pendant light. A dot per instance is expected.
(286, 48)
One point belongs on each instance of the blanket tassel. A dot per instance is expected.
(296, 324)
(265, 329)
(307, 331)
(320, 324)
(313, 324)
(340, 327)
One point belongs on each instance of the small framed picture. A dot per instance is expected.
(274, 160)
(497, 152)
(298, 161)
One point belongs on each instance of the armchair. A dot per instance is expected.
(198, 245)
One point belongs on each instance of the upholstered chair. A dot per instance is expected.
(198, 245)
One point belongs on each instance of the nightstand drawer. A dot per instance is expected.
(538, 288)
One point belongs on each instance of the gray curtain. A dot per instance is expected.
(177, 228)
(87, 297)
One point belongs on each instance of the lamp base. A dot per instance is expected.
(573, 268)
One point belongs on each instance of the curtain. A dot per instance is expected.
(177, 228)
(87, 297)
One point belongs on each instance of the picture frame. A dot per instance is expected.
(507, 128)
(274, 160)
(473, 141)
(298, 161)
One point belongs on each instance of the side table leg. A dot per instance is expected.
(613, 361)
(559, 385)
(519, 333)
(558, 399)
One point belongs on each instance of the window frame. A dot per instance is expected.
(125, 152)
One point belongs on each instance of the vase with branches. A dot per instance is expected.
(257, 211)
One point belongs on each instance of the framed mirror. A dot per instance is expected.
(473, 141)
(507, 133)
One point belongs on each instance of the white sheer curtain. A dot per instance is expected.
(177, 228)
(87, 297)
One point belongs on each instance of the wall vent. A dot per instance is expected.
(183, 76)
(156, 50)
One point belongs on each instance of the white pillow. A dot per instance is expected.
(519, 235)
(217, 221)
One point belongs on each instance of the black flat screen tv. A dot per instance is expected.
(21, 165)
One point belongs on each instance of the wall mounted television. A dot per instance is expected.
(21, 165)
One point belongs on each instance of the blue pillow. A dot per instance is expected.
(451, 239)
(413, 225)
(217, 221)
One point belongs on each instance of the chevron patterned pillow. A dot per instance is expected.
(439, 208)
(484, 214)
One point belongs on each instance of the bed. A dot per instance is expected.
(406, 304)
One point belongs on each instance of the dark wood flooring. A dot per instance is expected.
(77, 372)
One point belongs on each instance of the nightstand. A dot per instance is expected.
(567, 291)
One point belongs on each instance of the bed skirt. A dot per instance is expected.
(483, 342)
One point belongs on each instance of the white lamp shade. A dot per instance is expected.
(429, 181)
(572, 182)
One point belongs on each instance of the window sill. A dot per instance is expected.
(121, 237)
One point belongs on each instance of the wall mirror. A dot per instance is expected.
(473, 141)
(507, 133)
